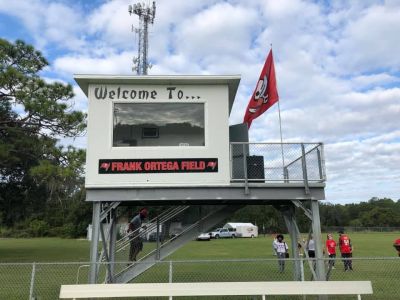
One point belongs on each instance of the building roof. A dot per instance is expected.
(232, 81)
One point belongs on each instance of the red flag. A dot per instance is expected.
(265, 95)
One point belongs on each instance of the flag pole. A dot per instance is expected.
(280, 132)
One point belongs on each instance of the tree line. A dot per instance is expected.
(376, 212)
(42, 182)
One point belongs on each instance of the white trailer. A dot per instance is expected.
(243, 229)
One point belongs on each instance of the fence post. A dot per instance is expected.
(286, 175)
(320, 165)
(170, 275)
(32, 281)
(246, 180)
(304, 167)
(158, 238)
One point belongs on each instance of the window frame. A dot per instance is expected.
(205, 129)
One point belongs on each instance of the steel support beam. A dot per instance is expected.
(288, 213)
(94, 242)
(104, 213)
(306, 211)
(201, 195)
(112, 242)
(316, 228)
(310, 263)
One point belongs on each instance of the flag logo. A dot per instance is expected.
(105, 166)
(265, 94)
(212, 164)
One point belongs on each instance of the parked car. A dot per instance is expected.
(222, 233)
(204, 237)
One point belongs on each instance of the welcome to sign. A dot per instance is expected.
(127, 93)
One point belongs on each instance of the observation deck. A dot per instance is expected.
(259, 173)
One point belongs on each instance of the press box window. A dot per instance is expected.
(158, 124)
(149, 133)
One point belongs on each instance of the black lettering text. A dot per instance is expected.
(170, 89)
(112, 94)
(143, 94)
(99, 93)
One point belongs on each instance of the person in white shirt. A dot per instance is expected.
(311, 247)
(281, 249)
(311, 250)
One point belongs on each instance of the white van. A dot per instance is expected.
(243, 229)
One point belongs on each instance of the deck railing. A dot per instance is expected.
(277, 162)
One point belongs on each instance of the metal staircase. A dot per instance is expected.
(196, 219)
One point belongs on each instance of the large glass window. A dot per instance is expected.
(158, 124)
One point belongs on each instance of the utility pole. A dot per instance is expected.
(146, 16)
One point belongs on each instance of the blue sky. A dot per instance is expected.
(337, 65)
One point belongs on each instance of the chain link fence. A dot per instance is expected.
(359, 229)
(42, 281)
(277, 162)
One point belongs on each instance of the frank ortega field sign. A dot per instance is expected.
(142, 166)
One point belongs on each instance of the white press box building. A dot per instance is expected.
(158, 131)
(166, 140)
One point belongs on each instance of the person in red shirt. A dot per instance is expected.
(331, 250)
(396, 245)
(346, 250)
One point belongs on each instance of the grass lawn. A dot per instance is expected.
(15, 279)
(371, 244)
(43, 250)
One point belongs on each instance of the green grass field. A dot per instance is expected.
(15, 279)
(371, 244)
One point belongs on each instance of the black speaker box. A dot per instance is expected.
(255, 168)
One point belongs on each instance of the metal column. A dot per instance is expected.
(290, 220)
(94, 243)
(112, 241)
(316, 228)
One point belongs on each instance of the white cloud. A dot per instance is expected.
(366, 81)
(359, 170)
(371, 41)
(226, 25)
(112, 23)
(83, 64)
(48, 22)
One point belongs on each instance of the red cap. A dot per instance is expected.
(143, 212)
(397, 242)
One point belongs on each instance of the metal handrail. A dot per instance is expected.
(274, 143)
(167, 242)
(309, 151)
(163, 217)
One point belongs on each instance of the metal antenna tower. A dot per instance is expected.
(146, 16)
